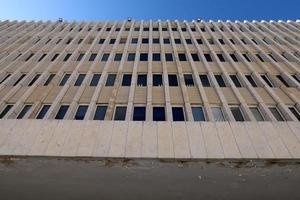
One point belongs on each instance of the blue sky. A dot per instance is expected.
(92, 10)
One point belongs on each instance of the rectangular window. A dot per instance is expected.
(80, 57)
(110, 81)
(246, 57)
(188, 41)
(139, 113)
(235, 80)
(260, 58)
(221, 41)
(156, 57)
(134, 41)
(255, 111)
(118, 57)
(218, 114)
(49, 79)
(157, 80)
(67, 57)
(177, 41)
(273, 58)
(169, 57)
(221, 57)
(172, 80)
(42, 57)
(210, 41)
(19, 79)
(5, 110)
(23, 112)
(276, 114)
(120, 113)
(28, 58)
(178, 114)
(204, 80)
(199, 41)
(237, 114)
(198, 114)
(112, 41)
(232, 41)
(234, 58)
(80, 41)
(101, 41)
(208, 57)
(79, 79)
(166, 41)
(143, 57)
(93, 57)
(123, 40)
(54, 57)
(295, 112)
(43, 112)
(267, 81)
(188, 79)
(105, 57)
(126, 80)
(220, 80)
(182, 57)
(64, 79)
(142, 80)
(296, 78)
(145, 40)
(100, 113)
(159, 114)
(62, 112)
(136, 29)
(131, 57)
(95, 80)
(35, 78)
(155, 40)
(195, 57)
(6, 77)
(282, 80)
(251, 80)
(80, 113)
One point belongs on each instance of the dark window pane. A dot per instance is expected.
(208, 57)
(126, 80)
(34, 79)
(199, 41)
(67, 57)
(49, 79)
(143, 57)
(134, 40)
(19, 79)
(268, 82)
(120, 113)
(282, 80)
(182, 57)
(237, 114)
(131, 57)
(251, 80)
(172, 80)
(101, 41)
(169, 57)
(177, 41)
(204, 80)
(221, 57)
(25, 109)
(112, 41)
(139, 114)
(296, 78)
(295, 112)
(80, 113)
(118, 57)
(100, 113)
(195, 57)
(157, 80)
(188, 41)
(6, 77)
(142, 80)
(276, 114)
(220, 80)
(166, 41)
(145, 40)
(80, 57)
(29, 57)
(42, 57)
(110, 81)
(43, 112)
(178, 114)
(62, 112)
(5, 111)
(156, 57)
(246, 57)
(155, 40)
(235, 80)
(105, 57)
(188, 79)
(95, 80)
(93, 57)
(260, 58)
(159, 114)
(198, 114)
(79, 79)
(255, 111)
(234, 58)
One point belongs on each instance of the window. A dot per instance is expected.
(178, 114)
(54, 57)
(80, 113)
(296, 78)
(112, 41)
(143, 57)
(23, 112)
(221, 57)
(105, 57)
(117, 29)
(32, 54)
(79, 79)
(174, 29)
(295, 112)
(157, 80)
(142, 80)
(166, 41)
(188, 41)
(235, 80)
(282, 80)
(34, 79)
(120, 113)
(136, 29)
(155, 40)
(80, 57)
(43, 112)
(19, 79)
(255, 111)
(145, 40)
(110, 81)
(69, 41)
(202, 29)
(134, 41)
(265, 78)
(260, 58)
(195, 57)
(218, 114)
(126, 80)
(62, 112)
(156, 56)
(243, 40)
(188, 79)
(198, 114)
(234, 58)
(100, 113)
(80, 41)
(64, 79)
(204, 80)
(237, 114)
(183, 29)
(159, 114)
(6, 77)
(246, 57)
(67, 57)
(93, 57)
(220, 80)
(5, 110)
(221, 41)
(251, 80)
(232, 41)
(131, 57)
(210, 41)
(155, 29)
(118, 57)
(182, 57)
(139, 114)
(199, 41)
(49, 79)
(95, 79)
(169, 57)
(146, 29)
(101, 41)
(172, 80)
(123, 40)
(208, 57)
(276, 114)
(42, 57)
(273, 58)
(177, 41)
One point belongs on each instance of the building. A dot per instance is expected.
(157, 72)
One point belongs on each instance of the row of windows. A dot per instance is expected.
(139, 113)
(157, 80)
